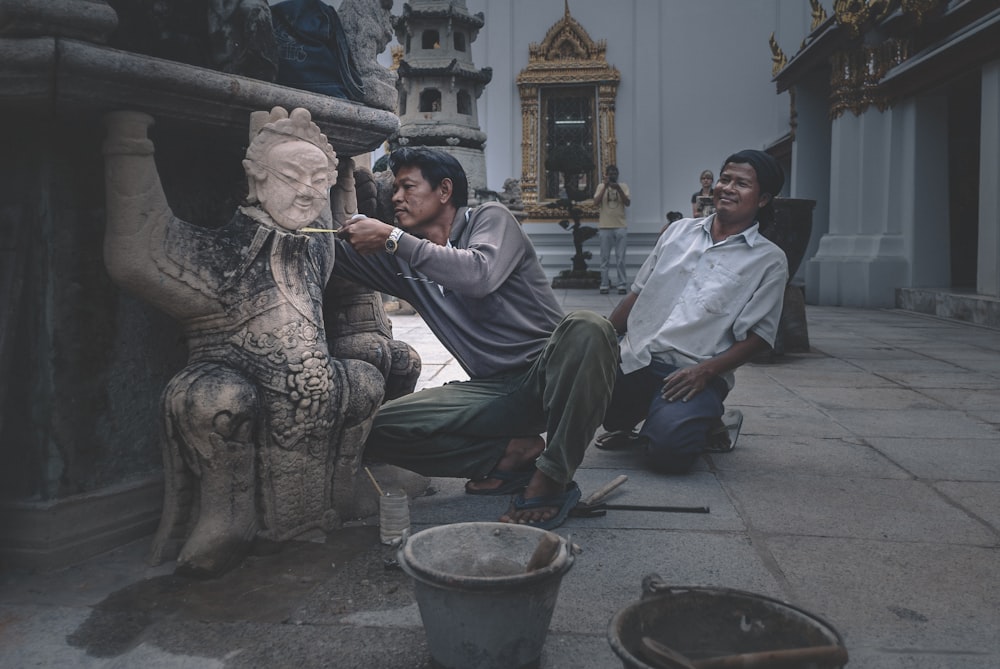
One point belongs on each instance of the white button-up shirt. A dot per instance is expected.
(698, 297)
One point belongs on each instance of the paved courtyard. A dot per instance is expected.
(865, 488)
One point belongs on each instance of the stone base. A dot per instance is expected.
(576, 279)
(793, 331)
(947, 303)
(49, 535)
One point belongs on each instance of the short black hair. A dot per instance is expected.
(435, 166)
(770, 177)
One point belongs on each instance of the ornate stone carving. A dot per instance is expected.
(567, 55)
(264, 428)
(368, 25)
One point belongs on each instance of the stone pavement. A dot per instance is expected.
(865, 488)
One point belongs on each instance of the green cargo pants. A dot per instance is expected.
(462, 429)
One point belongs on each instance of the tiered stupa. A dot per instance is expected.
(439, 84)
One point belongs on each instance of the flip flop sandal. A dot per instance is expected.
(510, 482)
(565, 502)
(621, 440)
(722, 439)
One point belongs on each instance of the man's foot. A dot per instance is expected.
(620, 440)
(545, 503)
(605, 290)
(621, 290)
(520, 456)
(724, 433)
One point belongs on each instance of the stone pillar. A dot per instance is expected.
(861, 259)
(810, 177)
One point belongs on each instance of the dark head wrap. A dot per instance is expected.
(769, 176)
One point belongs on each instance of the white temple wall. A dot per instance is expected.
(695, 86)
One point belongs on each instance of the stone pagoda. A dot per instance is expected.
(439, 84)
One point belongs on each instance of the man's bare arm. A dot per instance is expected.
(687, 382)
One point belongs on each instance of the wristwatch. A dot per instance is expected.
(392, 243)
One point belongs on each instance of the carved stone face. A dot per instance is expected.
(295, 184)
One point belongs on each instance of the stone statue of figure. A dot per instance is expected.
(264, 429)
(368, 26)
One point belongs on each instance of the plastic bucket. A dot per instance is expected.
(479, 606)
(703, 622)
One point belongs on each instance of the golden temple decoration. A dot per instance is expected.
(818, 15)
(778, 57)
(856, 73)
(567, 56)
(918, 8)
(397, 56)
(855, 14)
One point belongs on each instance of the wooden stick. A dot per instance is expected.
(831, 655)
(604, 491)
(544, 553)
(668, 658)
(378, 488)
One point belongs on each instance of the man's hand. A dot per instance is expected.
(366, 235)
(683, 384)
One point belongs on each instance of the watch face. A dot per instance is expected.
(390, 245)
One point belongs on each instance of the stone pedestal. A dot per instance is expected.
(791, 230)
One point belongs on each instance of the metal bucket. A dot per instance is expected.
(479, 606)
(703, 622)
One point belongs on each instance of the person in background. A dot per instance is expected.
(707, 300)
(611, 198)
(474, 276)
(697, 205)
(672, 217)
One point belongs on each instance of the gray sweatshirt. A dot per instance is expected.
(485, 296)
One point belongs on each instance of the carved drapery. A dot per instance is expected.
(567, 57)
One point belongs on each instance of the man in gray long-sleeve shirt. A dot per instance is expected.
(474, 277)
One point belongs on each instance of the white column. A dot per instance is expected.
(988, 262)
(861, 261)
(810, 177)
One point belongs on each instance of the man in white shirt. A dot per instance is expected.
(707, 300)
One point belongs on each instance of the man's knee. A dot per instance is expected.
(675, 451)
(210, 398)
(671, 460)
(589, 326)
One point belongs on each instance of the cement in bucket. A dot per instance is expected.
(478, 605)
(704, 623)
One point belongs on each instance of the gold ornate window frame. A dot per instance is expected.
(566, 58)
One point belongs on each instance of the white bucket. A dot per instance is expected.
(479, 606)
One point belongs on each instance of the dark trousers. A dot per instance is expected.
(462, 429)
(676, 432)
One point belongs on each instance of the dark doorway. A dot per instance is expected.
(964, 112)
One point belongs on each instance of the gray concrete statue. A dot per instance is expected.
(368, 26)
(264, 429)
